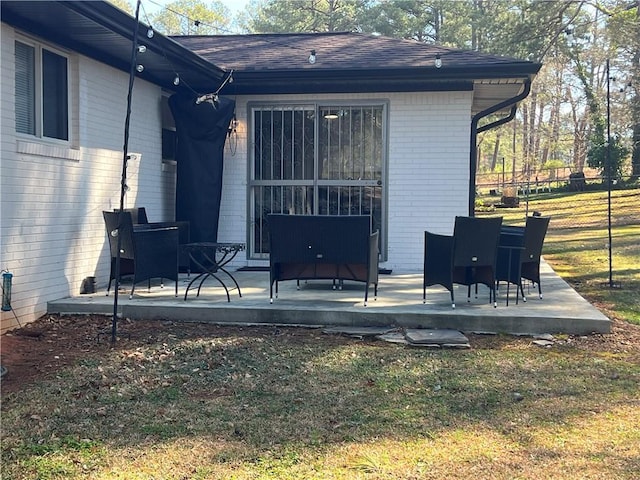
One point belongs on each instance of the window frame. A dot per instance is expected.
(39, 90)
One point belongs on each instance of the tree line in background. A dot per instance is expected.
(588, 86)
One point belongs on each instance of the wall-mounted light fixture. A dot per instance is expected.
(331, 115)
(232, 135)
(438, 62)
(233, 125)
(312, 57)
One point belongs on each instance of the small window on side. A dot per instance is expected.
(41, 92)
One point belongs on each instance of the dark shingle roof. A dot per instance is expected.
(342, 50)
(349, 62)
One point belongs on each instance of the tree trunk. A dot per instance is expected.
(496, 149)
(538, 133)
(531, 143)
(635, 152)
(635, 113)
(525, 132)
(514, 143)
(554, 138)
(579, 136)
(635, 105)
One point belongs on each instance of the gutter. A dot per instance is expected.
(338, 79)
(513, 103)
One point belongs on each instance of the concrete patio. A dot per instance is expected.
(399, 304)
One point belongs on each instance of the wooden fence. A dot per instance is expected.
(543, 180)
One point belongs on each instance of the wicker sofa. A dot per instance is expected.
(309, 247)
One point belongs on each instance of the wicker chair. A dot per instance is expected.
(534, 234)
(139, 217)
(146, 252)
(467, 258)
(438, 255)
(526, 264)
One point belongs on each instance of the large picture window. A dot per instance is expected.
(41, 92)
(316, 160)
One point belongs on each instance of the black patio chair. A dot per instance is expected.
(146, 252)
(438, 258)
(510, 251)
(467, 258)
(138, 214)
(475, 249)
(534, 234)
(139, 217)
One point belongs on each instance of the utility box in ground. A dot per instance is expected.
(510, 197)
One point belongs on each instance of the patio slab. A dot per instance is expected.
(316, 304)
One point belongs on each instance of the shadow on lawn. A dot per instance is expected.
(271, 387)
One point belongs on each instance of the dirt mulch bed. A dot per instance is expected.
(40, 349)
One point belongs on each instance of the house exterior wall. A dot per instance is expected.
(428, 169)
(52, 194)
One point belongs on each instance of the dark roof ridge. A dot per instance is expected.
(279, 34)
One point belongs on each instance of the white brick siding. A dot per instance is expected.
(53, 194)
(428, 172)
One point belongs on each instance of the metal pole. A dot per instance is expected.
(526, 208)
(123, 181)
(608, 168)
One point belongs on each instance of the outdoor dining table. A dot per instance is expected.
(512, 240)
(211, 259)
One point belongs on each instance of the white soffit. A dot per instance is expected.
(487, 93)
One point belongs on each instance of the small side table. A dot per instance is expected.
(211, 257)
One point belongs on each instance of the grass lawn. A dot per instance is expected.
(193, 401)
(577, 245)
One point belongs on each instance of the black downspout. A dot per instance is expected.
(474, 135)
(501, 121)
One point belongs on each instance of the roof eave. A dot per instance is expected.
(372, 80)
(164, 56)
(104, 14)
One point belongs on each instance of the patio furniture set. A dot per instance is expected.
(163, 250)
(483, 251)
(336, 248)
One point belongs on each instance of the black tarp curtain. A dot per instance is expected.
(201, 131)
